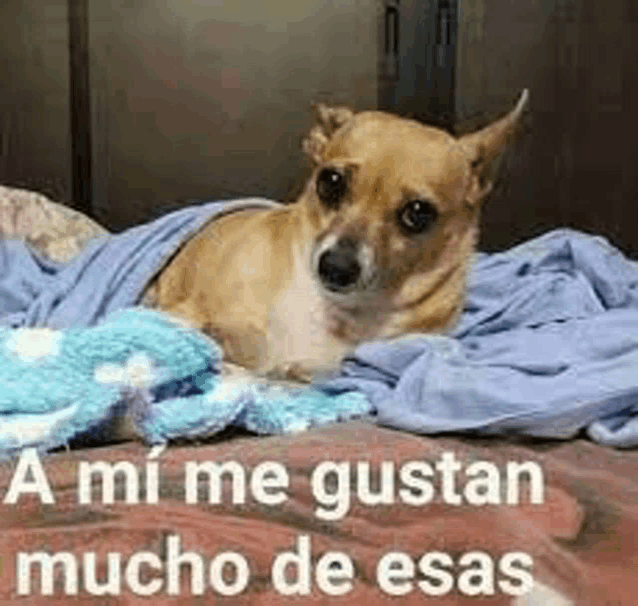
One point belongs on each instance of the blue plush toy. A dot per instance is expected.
(56, 385)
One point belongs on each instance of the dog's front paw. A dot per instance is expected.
(290, 371)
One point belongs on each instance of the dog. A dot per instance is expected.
(377, 246)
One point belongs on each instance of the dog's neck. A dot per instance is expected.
(434, 304)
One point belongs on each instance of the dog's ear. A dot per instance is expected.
(327, 121)
(484, 146)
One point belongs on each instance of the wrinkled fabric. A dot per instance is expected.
(111, 273)
(547, 346)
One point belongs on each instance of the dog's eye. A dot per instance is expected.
(417, 216)
(331, 187)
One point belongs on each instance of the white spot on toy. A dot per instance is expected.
(138, 372)
(33, 344)
(229, 389)
(25, 429)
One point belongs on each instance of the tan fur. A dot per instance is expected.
(247, 278)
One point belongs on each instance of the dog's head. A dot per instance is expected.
(393, 204)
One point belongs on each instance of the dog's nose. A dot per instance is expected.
(338, 266)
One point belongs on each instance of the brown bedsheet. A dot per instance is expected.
(581, 539)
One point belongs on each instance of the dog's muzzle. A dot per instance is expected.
(339, 266)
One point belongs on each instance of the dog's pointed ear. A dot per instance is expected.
(327, 120)
(485, 145)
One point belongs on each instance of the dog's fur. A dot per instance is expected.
(288, 291)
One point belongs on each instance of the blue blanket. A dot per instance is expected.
(111, 273)
(547, 346)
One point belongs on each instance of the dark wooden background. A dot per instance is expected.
(191, 101)
(578, 166)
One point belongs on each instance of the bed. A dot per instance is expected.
(579, 537)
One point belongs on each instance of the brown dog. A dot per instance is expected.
(378, 245)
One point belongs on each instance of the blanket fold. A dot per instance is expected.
(111, 273)
(547, 346)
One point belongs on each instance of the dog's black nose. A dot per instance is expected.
(338, 266)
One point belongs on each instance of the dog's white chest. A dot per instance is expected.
(298, 329)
